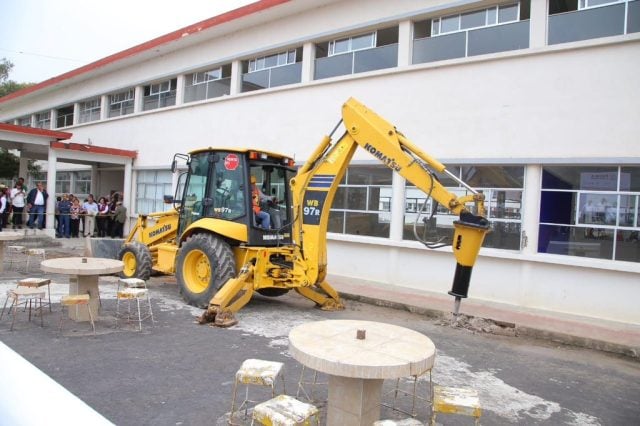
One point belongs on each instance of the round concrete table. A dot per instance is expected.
(7, 236)
(358, 367)
(87, 274)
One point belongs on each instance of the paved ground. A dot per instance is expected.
(180, 373)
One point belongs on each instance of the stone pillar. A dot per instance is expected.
(538, 24)
(52, 163)
(127, 201)
(76, 113)
(236, 78)
(308, 62)
(138, 101)
(54, 119)
(397, 207)
(531, 211)
(405, 43)
(180, 89)
(104, 107)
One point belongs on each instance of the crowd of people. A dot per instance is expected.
(73, 218)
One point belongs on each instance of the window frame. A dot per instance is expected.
(350, 49)
(89, 110)
(496, 10)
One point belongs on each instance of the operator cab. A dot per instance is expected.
(218, 185)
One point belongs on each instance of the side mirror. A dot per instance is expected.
(174, 165)
(168, 199)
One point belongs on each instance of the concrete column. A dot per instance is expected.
(180, 90)
(33, 120)
(54, 118)
(104, 107)
(139, 95)
(52, 163)
(538, 25)
(236, 77)
(405, 43)
(95, 182)
(531, 208)
(397, 207)
(23, 169)
(308, 61)
(126, 193)
(76, 113)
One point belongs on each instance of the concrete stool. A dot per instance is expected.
(76, 300)
(461, 401)
(404, 422)
(256, 372)
(12, 252)
(413, 393)
(285, 410)
(36, 283)
(27, 296)
(37, 253)
(136, 294)
(311, 383)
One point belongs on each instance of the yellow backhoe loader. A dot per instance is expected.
(246, 221)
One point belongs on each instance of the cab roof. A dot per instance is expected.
(239, 151)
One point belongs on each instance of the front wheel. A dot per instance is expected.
(137, 261)
(205, 262)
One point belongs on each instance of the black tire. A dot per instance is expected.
(205, 262)
(137, 261)
(273, 291)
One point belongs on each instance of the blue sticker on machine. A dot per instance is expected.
(312, 207)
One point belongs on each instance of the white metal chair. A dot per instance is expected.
(462, 401)
(255, 372)
(14, 254)
(136, 294)
(305, 383)
(38, 253)
(37, 283)
(414, 393)
(26, 296)
(76, 300)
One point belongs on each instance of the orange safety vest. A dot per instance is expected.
(255, 195)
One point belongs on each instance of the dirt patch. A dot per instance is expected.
(477, 325)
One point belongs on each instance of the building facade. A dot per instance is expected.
(534, 102)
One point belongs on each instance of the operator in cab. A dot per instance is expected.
(262, 217)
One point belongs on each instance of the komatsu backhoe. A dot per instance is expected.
(216, 242)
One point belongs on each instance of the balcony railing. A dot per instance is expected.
(499, 38)
(208, 90)
(356, 62)
(272, 77)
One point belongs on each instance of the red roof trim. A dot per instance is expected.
(53, 134)
(151, 44)
(93, 149)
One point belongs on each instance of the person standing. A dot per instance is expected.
(18, 194)
(119, 217)
(64, 217)
(74, 221)
(4, 207)
(90, 208)
(37, 203)
(103, 217)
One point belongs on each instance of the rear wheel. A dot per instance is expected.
(205, 262)
(137, 261)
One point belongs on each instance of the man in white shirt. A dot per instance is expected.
(18, 195)
(37, 203)
(90, 209)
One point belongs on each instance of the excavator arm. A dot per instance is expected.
(315, 186)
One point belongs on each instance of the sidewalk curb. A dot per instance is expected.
(520, 330)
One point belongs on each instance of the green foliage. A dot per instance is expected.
(9, 86)
(9, 164)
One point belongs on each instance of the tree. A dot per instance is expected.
(9, 86)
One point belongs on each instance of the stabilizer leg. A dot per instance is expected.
(233, 295)
(325, 296)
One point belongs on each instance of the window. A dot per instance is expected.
(159, 95)
(476, 19)
(63, 182)
(64, 116)
(208, 84)
(502, 186)
(362, 205)
(488, 30)
(359, 53)
(351, 44)
(83, 184)
(24, 121)
(43, 120)
(590, 212)
(89, 110)
(274, 70)
(152, 186)
(122, 103)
